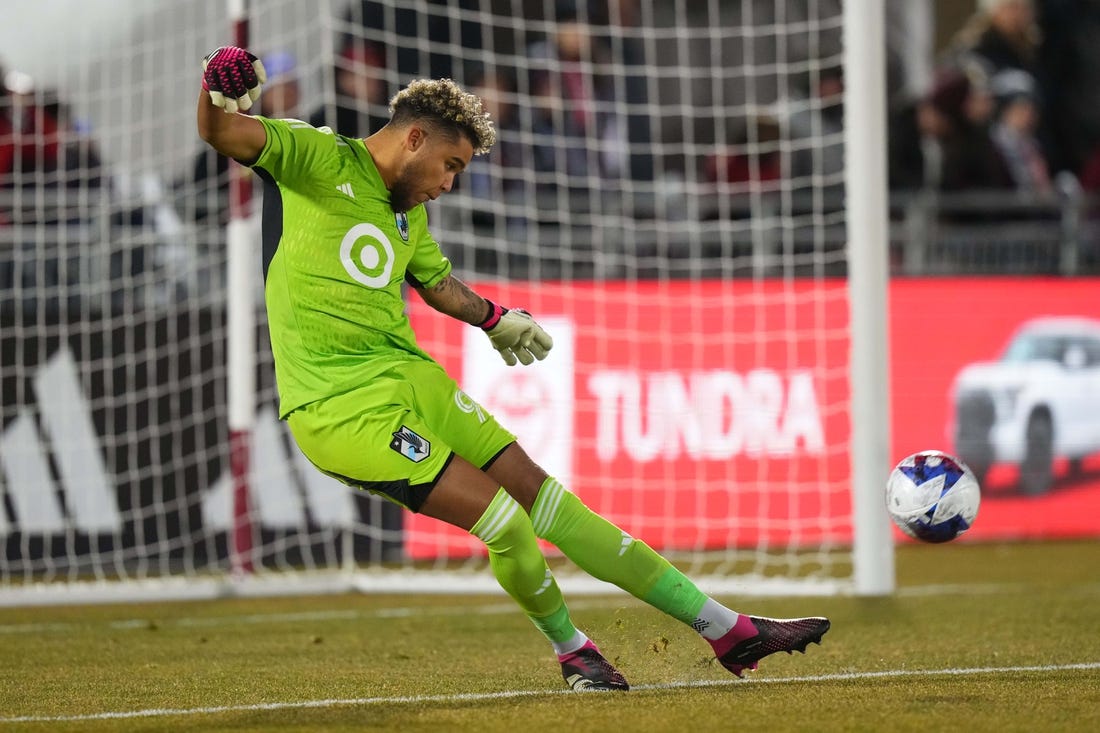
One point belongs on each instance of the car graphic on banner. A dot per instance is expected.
(1040, 401)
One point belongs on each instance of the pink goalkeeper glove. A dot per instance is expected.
(515, 335)
(232, 77)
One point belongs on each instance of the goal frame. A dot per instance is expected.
(866, 187)
(872, 555)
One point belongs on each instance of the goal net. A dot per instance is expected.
(669, 196)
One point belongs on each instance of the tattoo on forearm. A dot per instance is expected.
(455, 298)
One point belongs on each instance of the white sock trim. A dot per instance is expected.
(500, 511)
(548, 500)
(565, 647)
(714, 620)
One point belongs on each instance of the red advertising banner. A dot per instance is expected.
(949, 329)
(708, 414)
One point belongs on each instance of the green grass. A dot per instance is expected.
(991, 613)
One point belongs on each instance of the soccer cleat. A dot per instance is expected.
(753, 637)
(586, 669)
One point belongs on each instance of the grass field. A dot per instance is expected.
(979, 637)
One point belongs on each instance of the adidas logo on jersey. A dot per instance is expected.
(345, 188)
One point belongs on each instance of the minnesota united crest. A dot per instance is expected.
(410, 445)
(402, 221)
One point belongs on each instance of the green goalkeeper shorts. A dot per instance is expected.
(396, 435)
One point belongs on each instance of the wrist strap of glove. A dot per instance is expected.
(493, 316)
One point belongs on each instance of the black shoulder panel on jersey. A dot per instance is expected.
(272, 218)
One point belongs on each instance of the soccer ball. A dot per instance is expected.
(932, 496)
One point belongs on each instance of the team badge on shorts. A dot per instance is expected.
(410, 445)
(402, 221)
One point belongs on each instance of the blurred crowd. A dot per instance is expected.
(41, 143)
(1013, 106)
(1014, 103)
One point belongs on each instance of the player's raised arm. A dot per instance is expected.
(231, 80)
(514, 333)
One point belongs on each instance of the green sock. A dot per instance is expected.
(606, 552)
(520, 568)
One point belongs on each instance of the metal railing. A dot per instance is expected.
(995, 233)
(96, 255)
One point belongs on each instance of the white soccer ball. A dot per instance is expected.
(932, 496)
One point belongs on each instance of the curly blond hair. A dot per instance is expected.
(444, 103)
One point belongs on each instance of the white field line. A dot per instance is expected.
(513, 694)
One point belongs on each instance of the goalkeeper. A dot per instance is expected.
(343, 227)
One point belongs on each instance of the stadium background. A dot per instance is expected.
(178, 417)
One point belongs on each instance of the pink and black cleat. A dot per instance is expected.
(586, 669)
(754, 637)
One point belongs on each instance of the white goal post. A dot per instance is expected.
(691, 197)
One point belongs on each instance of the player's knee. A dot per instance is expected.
(514, 553)
(516, 537)
(522, 574)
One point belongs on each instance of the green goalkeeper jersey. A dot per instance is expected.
(335, 258)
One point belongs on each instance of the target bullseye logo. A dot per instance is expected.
(367, 255)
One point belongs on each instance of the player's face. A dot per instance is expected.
(430, 171)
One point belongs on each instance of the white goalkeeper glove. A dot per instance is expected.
(233, 78)
(515, 335)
